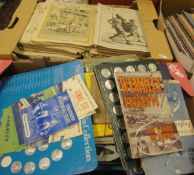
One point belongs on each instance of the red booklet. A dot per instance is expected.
(4, 64)
(177, 72)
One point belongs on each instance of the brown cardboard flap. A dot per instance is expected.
(157, 42)
(147, 10)
(10, 36)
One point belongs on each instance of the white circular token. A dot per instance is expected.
(152, 67)
(130, 69)
(29, 167)
(43, 147)
(6, 161)
(141, 68)
(57, 155)
(118, 69)
(113, 97)
(66, 144)
(109, 84)
(117, 110)
(16, 167)
(44, 163)
(30, 151)
(105, 73)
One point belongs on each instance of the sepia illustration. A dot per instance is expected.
(68, 23)
(120, 29)
(124, 29)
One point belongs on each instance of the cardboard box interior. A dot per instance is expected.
(156, 39)
(153, 35)
(10, 35)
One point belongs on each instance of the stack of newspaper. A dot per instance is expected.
(67, 31)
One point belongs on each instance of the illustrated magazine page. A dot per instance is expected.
(67, 23)
(148, 117)
(119, 28)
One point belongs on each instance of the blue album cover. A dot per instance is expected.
(43, 117)
(180, 162)
(71, 156)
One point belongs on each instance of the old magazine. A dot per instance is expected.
(148, 118)
(80, 26)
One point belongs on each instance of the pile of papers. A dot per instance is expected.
(68, 31)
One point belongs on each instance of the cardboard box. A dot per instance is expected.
(153, 36)
(169, 7)
(10, 36)
(157, 42)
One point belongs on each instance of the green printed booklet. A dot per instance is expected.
(45, 113)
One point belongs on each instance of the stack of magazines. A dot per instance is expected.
(67, 31)
(181, 27)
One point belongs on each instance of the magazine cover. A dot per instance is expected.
(148, 118)
(37, 118)
(70, 156)
(181, 162)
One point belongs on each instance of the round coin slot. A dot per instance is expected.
(152, 67)
(109, 84)
(44, 163)
(66, 144)
(117, 110)
(57, 155)
(141, 68)
(6, 161)
(30, 151)
(113, 97)
(105, 73)
(121, 123)
(125, 137)
(130, 69)
(118, 69)
(29, 167)
(16, 167)
(43, 147)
